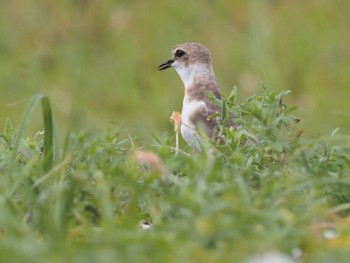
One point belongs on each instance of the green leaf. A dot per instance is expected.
(283, 94)
(8, 130)
(48, 127)
(232, 96)
(213, 100)
(223, 110)
(334, 132)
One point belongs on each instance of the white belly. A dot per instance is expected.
(188, 129)
(190, 135)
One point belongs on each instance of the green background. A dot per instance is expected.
(97, 60)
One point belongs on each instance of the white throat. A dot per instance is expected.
(194, 72)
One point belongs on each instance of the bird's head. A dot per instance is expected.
(188, 58)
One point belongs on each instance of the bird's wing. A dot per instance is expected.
(201, 118)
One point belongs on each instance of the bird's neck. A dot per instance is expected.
(196, 74)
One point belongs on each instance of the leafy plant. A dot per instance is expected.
(263, 187)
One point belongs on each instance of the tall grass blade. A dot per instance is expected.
(48, 126)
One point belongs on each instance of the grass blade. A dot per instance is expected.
(48, 126)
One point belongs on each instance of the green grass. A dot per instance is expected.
(241, 199)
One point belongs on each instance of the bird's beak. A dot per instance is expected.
(166, 64)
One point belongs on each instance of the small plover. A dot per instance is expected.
(193, 63)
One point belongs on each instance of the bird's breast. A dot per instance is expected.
(189, 111)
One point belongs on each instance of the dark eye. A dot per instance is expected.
(179, 53)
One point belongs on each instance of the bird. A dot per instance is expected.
(193, 63)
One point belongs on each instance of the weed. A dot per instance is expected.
(263, 187)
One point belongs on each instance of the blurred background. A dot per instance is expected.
(97, 60)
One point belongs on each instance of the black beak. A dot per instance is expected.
(166, 64)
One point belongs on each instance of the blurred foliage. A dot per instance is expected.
(264, 187)
(97, 60)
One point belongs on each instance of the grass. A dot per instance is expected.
(241, 199)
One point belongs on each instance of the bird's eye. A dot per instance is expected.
(179, 53)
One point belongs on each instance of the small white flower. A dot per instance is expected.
(330, 233)
(271, 257)
(145, 225)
